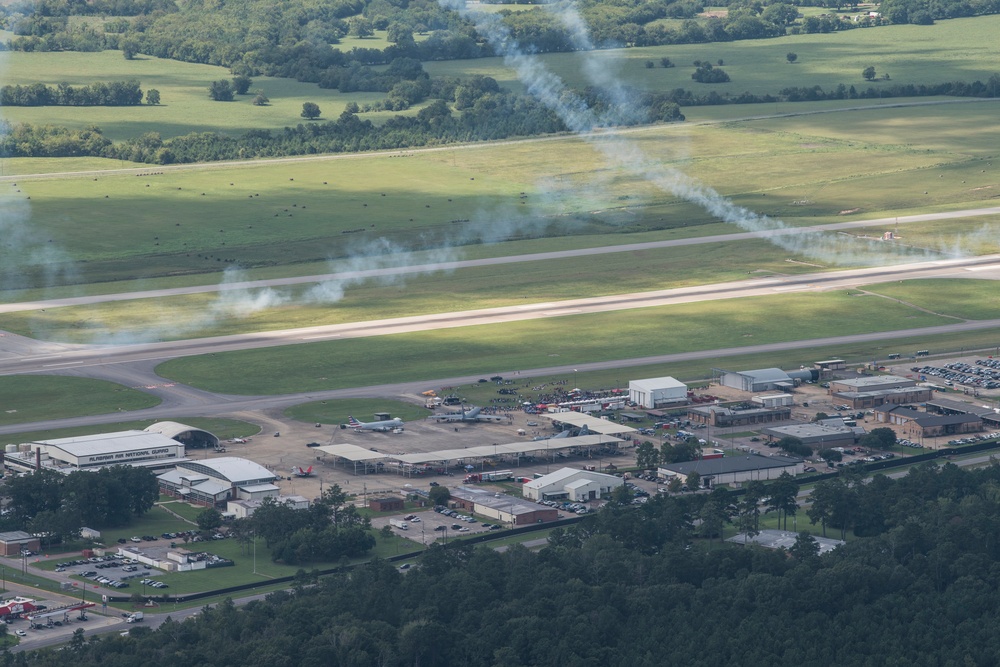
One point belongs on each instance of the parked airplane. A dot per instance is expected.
(473, 415)
(382, 426)
(557, 436)
(299, 472)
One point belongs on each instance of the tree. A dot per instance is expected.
(791, 57)
(362, 27)
(310, 110)
(830, 455)
(152, 96)
(781, 496)
(646, 455)
(439, 495)
(868, 73)
(241, 84)
(650, 64)
(622, 495)
(209, 519)
(221, 91)
(260, 99)
(806, 548)
(136, 599)
(77, 641)
(675, 484)
(666, 62)
(130, 48)
(694, 480)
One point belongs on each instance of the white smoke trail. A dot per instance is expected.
(550, 90)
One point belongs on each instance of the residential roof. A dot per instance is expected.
(730, 464)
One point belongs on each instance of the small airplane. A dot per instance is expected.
(382, 426)
(299, 472)
(472, 415)
(557, 436)
(241, 441)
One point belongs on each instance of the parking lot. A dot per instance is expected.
(111, 571)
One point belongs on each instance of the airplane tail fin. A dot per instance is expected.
(309, 470)
(352, 421)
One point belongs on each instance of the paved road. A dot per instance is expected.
(490, 261)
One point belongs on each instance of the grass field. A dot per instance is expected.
(224, 428)
(278, 214)
(539, 343)
(28, 398)
(970, 299)
(337, 412)
(961, 49)
(185, 106)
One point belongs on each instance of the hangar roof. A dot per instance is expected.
(352, 452)
(595, 424)
(104, 443)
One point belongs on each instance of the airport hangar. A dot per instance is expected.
(158, 446)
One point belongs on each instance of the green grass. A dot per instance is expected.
(539, 343)
(970, 299)
(186, 510)
(961, 49)
(811, 171)
(185, 106)
(28, 398)
(336, 412)
(224, 428)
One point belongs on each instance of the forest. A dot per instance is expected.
(637, 586)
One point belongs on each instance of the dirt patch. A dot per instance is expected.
(849, 211)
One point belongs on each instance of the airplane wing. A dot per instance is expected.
(491, 418)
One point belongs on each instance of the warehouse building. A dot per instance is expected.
(214, 481)
(734, 469)
(871, 383)
(817, 436)
(915, 424)
(656, 392)
(501, 507)
(244, 509)
(14, 542)
(90, 452)
(572, 484)
(861, 400)
(717, 415)
(764, 379)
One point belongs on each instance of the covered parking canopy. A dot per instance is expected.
(594, 424)
(354, 454)
(518, 448)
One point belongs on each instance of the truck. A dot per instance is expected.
(134, 617)
(399, 523)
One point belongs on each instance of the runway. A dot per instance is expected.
(409, 269)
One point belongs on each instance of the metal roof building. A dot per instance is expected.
(651, 392)
(89, 452)
(213, 481)
(735, 469)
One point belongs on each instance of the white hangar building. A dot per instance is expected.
(654, 392)
(215, 481)
(89, 452)
(576, 485)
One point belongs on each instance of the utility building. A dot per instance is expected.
(764, 379)
(734, 469)
(576, 485)
(214, 481)
(656, 392)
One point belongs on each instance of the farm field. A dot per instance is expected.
(224, 428)
(27, 398)
(539, 343)
(185, 105)
(954, 50)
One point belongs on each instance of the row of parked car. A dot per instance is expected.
(979, 437)
(154, 583)
(966, 374)
(577, 508)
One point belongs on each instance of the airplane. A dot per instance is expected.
(557, 436)
(472, 415)
(383, 426)
(299, 472)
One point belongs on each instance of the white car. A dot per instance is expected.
(20, 633)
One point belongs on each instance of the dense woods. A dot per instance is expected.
(114, 94)
(626, 587)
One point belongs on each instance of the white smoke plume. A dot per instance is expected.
(619, 151)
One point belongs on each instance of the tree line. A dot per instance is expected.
(58, 505)
(114, 94)
(629, 587)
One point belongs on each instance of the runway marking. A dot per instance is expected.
(64, 363)
(988, 267)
